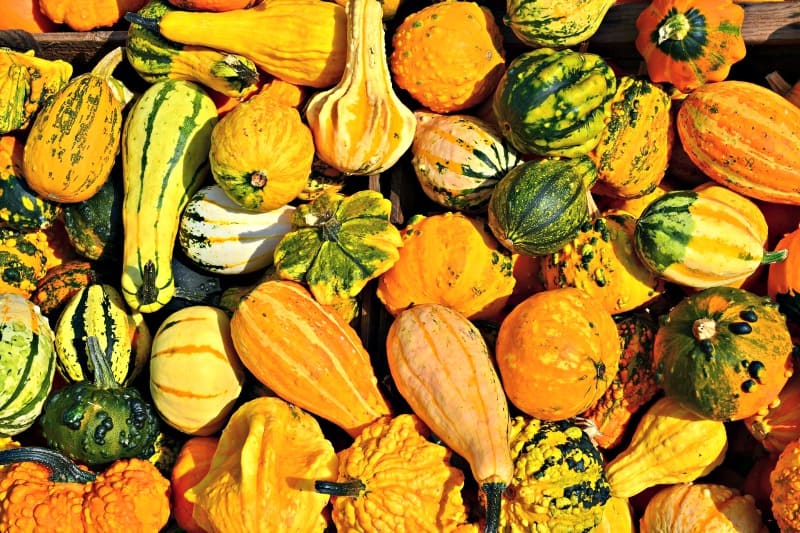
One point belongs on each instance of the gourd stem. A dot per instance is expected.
(150, 24)
(704, 328)
(62, 469)
(675, 27)
(103, 375)
(353, 488)
(494, 494)
(774, 257)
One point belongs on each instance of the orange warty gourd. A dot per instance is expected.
(557, 352)
(785, 483)
(88, 15)
(307, 354)
(449, 56)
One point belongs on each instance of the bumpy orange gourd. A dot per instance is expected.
(26, 15)
(360, 125)
(779, 424)
(449, 56)
(557, 352)
(784, 481)
(85, 15)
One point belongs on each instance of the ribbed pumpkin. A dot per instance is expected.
(360, 126)
(745, 137)
(554, 102)
(261, 153)
(458, 159)
(699, 240)
(562, 345)
(783, 278)
(724, 353)
(539, 23)
(540, 205)
(601, 260)
(779, 424)
(634, 149)
(199, 402)
(699, 507)
(329, 373)
(448, 56)
(450, 259)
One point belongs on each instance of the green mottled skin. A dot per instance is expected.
(94, 226)
(664, 230)
(21, 208)
(536, 22)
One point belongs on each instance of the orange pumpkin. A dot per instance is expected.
(783, 277)
(25, 15)
(86, 16)
(779, 424)
(191, 465)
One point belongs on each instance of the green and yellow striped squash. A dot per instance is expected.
(540, 205)
(165, 149)
(554, 102)
(61, 283)
(220, 236)
(458, 159)
(27, 363)
(155, 58)
(698, 240)
(98, 310)
(556, 24)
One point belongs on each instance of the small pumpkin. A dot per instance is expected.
(86, 16)
(689, 43)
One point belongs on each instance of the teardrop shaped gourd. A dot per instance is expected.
(360, 125)
(670, 445)
(441, 366)
(307, 354)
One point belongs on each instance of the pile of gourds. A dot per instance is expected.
(586, 323)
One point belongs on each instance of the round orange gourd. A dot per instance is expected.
(191, 465)
(449, 56)
(557, 352)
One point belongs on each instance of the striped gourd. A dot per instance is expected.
(554, 102)
(540, 205)
(458, 159)
(165, 148)
(27, 363)
(307, 354)
(155, 58)
(98, 310)
(220, 236)
(698, 240)
(745, 137)
(196, 337)
(557, 24)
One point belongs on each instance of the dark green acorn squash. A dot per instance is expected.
(99, 422)
(554, 102)
(94, 226)
(540, 205)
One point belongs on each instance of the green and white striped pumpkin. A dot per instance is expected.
(221, 237)
(458, 159)
(27, 363)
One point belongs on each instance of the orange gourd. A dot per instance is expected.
(25, 15)
(785, 483)
(86, 15)
(782, 87)
(779, 424)
(213, 5)
(783, 278)
(191, 465)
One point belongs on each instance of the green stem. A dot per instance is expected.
(150, 24)
(353, 488)
(103, 375)
(774, 257)
(494, 494)
(675, 27)
(62, 469)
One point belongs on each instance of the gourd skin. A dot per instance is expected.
(88, 15)
(60, 284)
(785, 491)
(191, 465)
(558, 24)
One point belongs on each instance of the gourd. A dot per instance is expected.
(330, 374)
(698, 240)
(213, 5)
(219, 236)
(450, 259)
(22, 261)
(165, 149)
(541, 204)
(27, 363)
(61, 283)
(723, 353)
(448, 56)
(562, 345)
(602, 261)
(86, 16)
(155, 58)
(262, 473)
(338, 243)
(783, 283)
(67, 161)
(94, 227)
(21, 208)
(458, 159)
(778, 425)
(689, 43)
(635, 147)
(617, 517)
(789, 91)
(99, 422)
(384, 461)
(26, 15)
(785, 493)
(360, 125)
(554, 102)
(559, 483)
(440, 365)
(754, 149)
(669, 445)
(197, 402)
(698, 507)
(191, 466)
(300, 42)
(539, 23)
(261, 153)
(98, 310)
